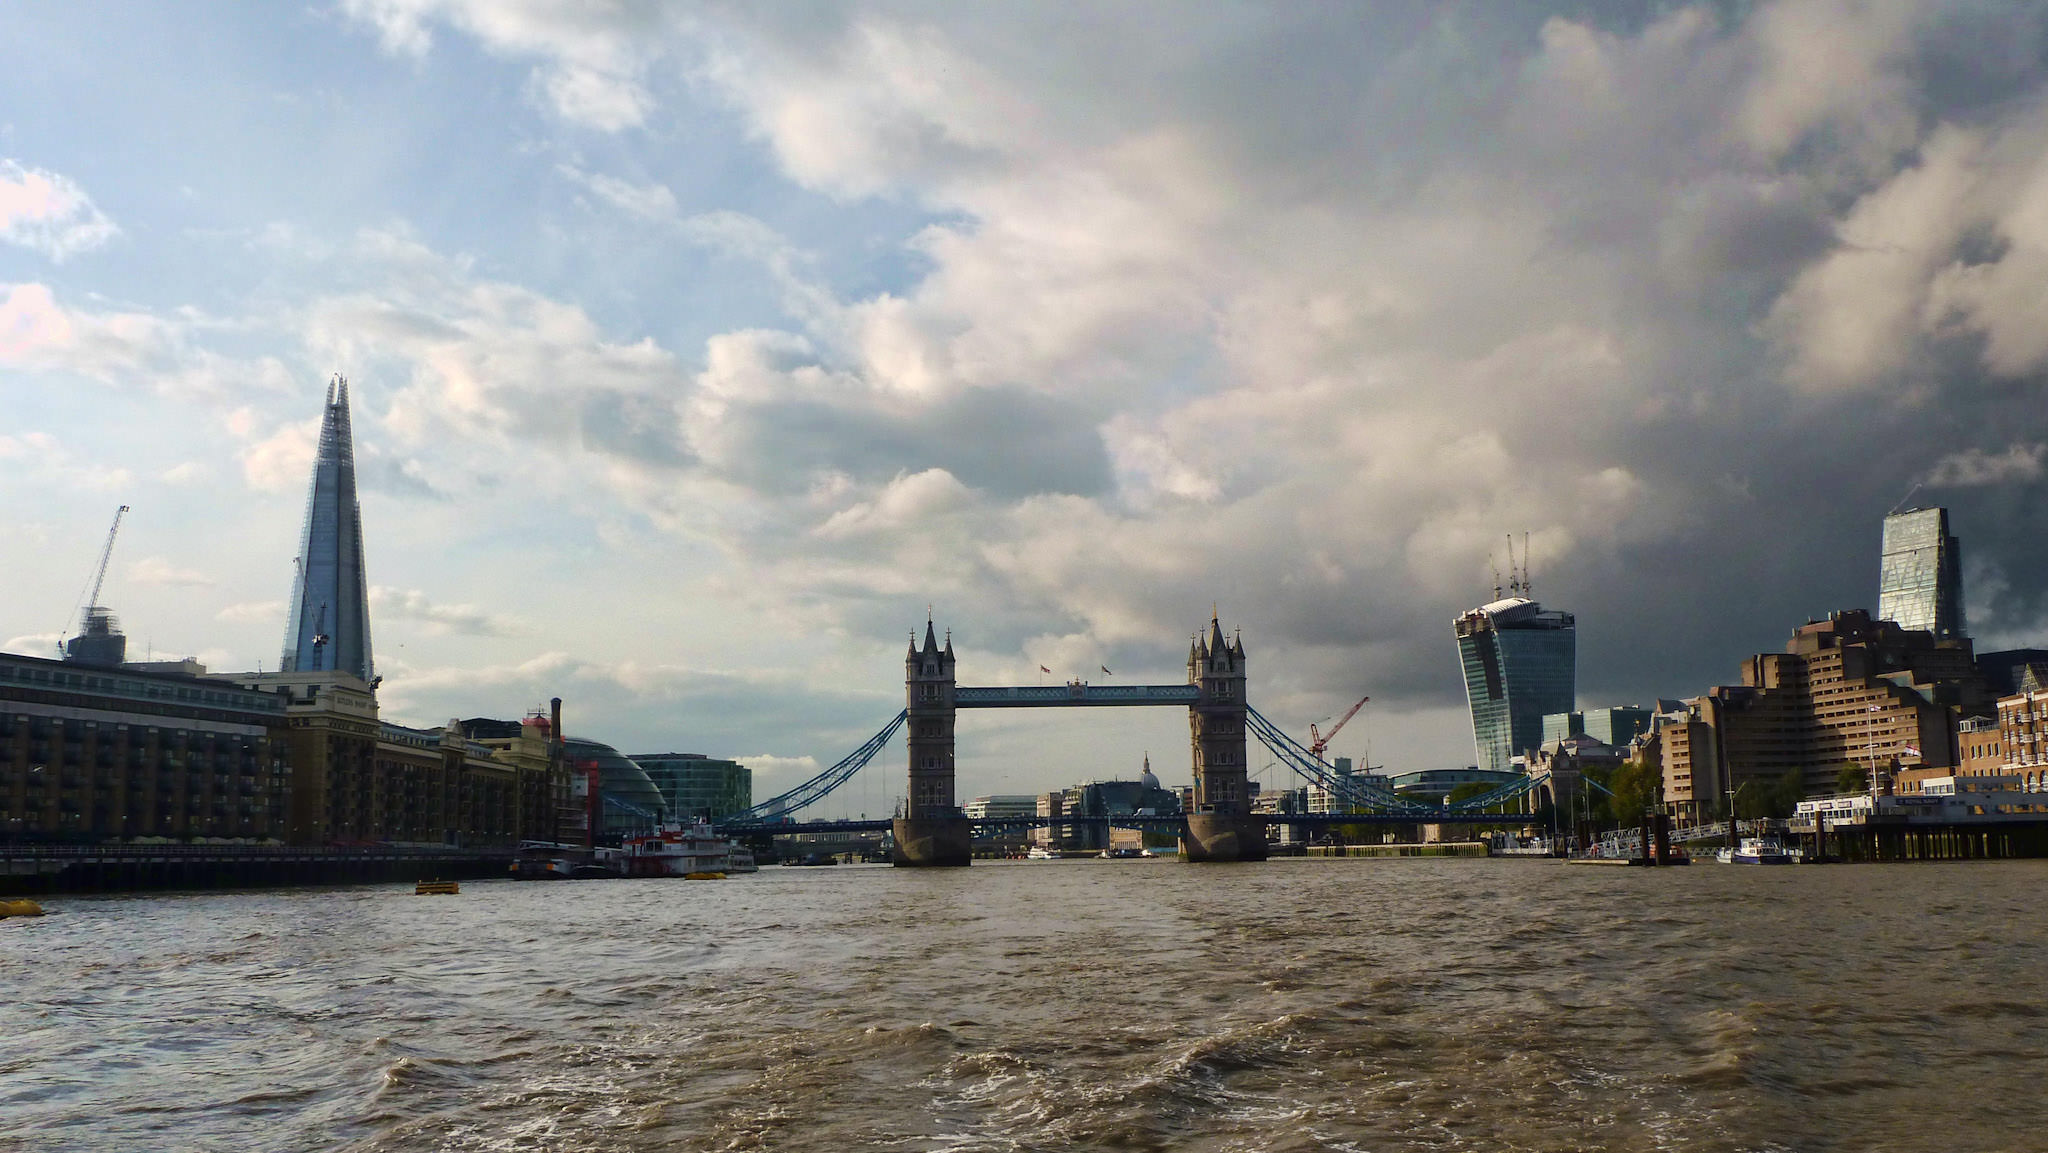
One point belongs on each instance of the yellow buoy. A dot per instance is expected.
(703, 876)
(20, 909)
(436, 889)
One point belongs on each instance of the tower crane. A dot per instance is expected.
(99, 576)
(1318, 741)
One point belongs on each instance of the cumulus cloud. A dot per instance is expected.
(593, 61)
(49, 213)
(156, 570)
(259, 612)
(1189, 327)
(283, 460)
(1975, 466)
(388, 603)
(36, 332)
(649, 202)
(32, 644)
(44, 457)
(645, 707)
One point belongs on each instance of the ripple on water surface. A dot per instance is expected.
(1296, 1005)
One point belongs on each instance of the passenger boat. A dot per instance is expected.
(1041, 853)
(1758, 851)
(740, 859)
(673, 851)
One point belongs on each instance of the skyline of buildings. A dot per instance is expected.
(1518, 660)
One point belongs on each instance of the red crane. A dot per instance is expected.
(1317, 742)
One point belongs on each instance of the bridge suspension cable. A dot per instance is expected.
(1316, 771)
(1356, 791)
(821, 786)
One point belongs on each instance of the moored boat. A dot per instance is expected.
(673, 851)
(1758, 851)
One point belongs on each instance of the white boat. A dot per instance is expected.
(1041, 853)
(672, 851)
(1758, 851)
(740, 859)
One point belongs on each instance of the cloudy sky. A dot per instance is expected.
(697, 349)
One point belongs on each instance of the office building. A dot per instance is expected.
(1431, 786)
(1007, 841)
(1849, 690)
(2010, 671)
(1920, 577)
(1520, 663)
(628, 797)
(329, 626)
(1615, 727)
(694, 785)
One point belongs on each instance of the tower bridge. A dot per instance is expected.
(1218, 826)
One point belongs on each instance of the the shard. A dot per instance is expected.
(329, 630)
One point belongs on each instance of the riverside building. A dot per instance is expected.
(1849, 690)
(91, 754)
(694, 785)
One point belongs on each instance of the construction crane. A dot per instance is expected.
(99, 576)
(1318, 741)
(91, 600)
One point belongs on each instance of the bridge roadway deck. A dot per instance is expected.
(1154, 824)
(1075, 693)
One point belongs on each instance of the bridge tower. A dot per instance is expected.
(932, 830)
(1221, 826)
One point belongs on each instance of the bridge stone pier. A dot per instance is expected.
(1219, 827)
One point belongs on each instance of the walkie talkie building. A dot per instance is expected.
(1520, 662)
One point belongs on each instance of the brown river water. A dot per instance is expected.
(1377, 1005)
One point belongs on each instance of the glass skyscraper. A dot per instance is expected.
(1920, 580)
(329, 629)
(1521, 663)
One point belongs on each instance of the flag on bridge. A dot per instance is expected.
(1105, 671)
(1043, 669)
